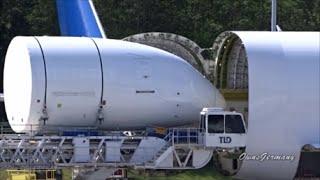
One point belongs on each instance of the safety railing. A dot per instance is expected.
(186, 136)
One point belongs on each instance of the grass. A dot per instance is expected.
(66, 174)
(3, 174)
(206, 173)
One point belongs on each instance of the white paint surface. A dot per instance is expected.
(75, 80)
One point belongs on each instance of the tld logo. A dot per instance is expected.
(225, 139)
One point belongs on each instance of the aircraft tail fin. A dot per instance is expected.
(79, 18)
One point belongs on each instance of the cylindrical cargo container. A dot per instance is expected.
(109, 84)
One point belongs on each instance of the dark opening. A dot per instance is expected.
(235, 164)
(216, 123)
(202, 123)
(309, 165)
(234, 124)
(145, 91)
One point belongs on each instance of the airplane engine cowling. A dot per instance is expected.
(69, 81)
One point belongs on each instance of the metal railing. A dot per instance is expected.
(186, 136)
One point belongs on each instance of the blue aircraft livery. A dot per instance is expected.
(79, 18)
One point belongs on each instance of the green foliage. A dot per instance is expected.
(25, 17)
(203, 20)
(206, 173)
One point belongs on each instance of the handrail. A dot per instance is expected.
(186, 136)
(168, 136)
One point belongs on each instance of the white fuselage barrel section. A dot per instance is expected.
(71, 81)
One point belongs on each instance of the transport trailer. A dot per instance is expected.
(221, 134)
